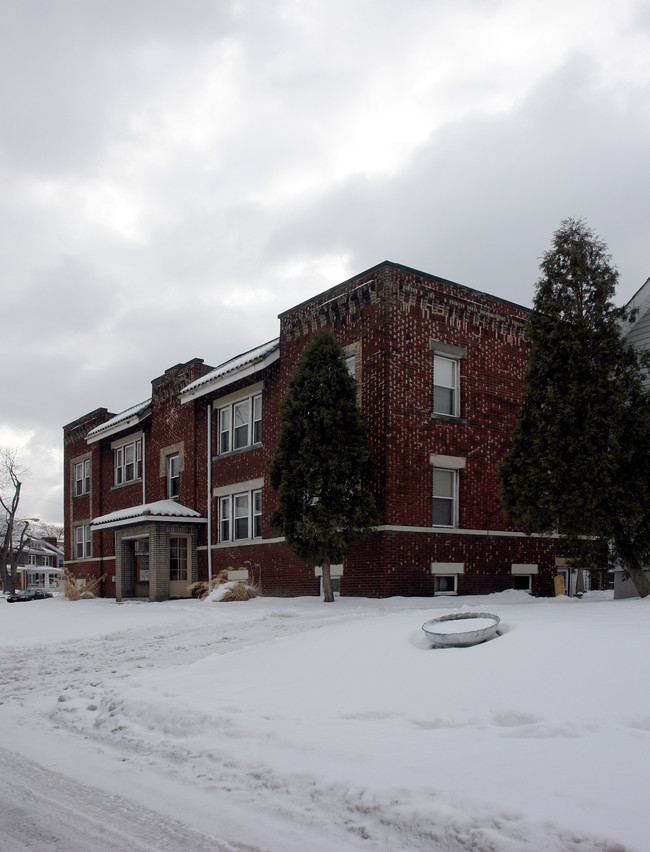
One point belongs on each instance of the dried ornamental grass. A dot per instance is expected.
(202, 588)
(73, 591)
(234, 591)
(220, 588)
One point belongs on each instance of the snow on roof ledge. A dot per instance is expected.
(129, 417)
(236, 368)
(161, 510)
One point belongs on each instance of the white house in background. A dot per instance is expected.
(41, 562)
(638, 333)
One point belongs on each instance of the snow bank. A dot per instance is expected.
(338, 727)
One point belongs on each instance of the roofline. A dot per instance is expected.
(127, 423)
(636, 303)
(230, 377)
(80, 421)
(638, 293)
(142, 519)
(328, 294)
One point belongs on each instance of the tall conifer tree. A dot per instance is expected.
(322, 464)
(580, 460)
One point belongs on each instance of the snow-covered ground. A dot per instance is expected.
(288, 725)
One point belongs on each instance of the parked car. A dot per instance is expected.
(30, 595)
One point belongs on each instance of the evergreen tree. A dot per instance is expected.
(579, 464)
(322, 464)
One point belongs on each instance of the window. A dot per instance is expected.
(241, 412)
(177, 559)
(32, 559)
(445, 386)
(257, 514)
(141, 560)
(240, 424)
(173, 476)
(224, 518)
(351, 365)
(240, 516)
(224, 430)
(444, 497)
(82, 478)
(445, 584)
(128, 462)
(257, 419)
(523, 575)
(522, 582)
(82, 541)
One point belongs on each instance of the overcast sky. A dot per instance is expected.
(175, 174)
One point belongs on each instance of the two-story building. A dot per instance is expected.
(40, 562)
(176, 488)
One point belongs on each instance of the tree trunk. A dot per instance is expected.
(638, 577)
(328, 594)
(4, 574)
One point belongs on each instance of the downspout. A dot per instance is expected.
(144, 470)
(209, 492)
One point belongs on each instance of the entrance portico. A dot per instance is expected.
(155, 550)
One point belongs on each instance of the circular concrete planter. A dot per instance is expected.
(461, 629)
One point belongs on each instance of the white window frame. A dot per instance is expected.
(225, 510)
(524, 571)
(240, 424)
(82, 477)
(446, 570)
(520, 577)
(240, 516)
(121, 465)
(438, 361)
(440, 591)
(173, 476)
(449, 500)
(82, 541)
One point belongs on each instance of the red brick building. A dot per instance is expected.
(176, 488)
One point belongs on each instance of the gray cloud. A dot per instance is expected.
(479, 202)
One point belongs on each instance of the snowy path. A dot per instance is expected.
(46, 810)
(45, 689)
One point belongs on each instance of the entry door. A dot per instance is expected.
(141, 554)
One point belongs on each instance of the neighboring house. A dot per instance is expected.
(638, 333)
(638, 330)
(176, 488)
(40, 563)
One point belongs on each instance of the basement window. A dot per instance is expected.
(446, 584)
(522, 576)
(522, 582)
